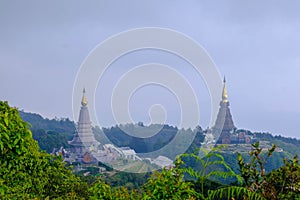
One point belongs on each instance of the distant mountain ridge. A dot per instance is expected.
(50, 133)
(39, 122)
(54, 133)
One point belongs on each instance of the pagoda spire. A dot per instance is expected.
(224, 92)
(84, 99)
(83, 140)
(224, 125)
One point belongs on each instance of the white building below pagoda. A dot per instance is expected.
(84, 148)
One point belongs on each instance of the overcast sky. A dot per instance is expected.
(255, 43)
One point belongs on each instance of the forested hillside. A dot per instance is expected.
(50, 133)
(291, 145)
(28, 173)
(54, 133)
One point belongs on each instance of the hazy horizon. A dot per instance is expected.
(254, 44)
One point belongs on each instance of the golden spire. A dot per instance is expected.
(224, 93)
(84, 100)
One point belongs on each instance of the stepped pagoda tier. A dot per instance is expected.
(224, 123)
(83, 140)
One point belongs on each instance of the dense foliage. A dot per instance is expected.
(55, 133)
(283, 183)
(289, 144)
(61, 125)
(28, 173)
(141, 145)
(50, 133)
(25, 172)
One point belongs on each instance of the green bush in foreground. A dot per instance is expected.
(27, 173)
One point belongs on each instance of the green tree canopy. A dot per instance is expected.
(25, 172)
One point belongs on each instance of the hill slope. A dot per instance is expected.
(54, 133)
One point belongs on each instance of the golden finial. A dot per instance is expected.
(84, 100)
(224, 93)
